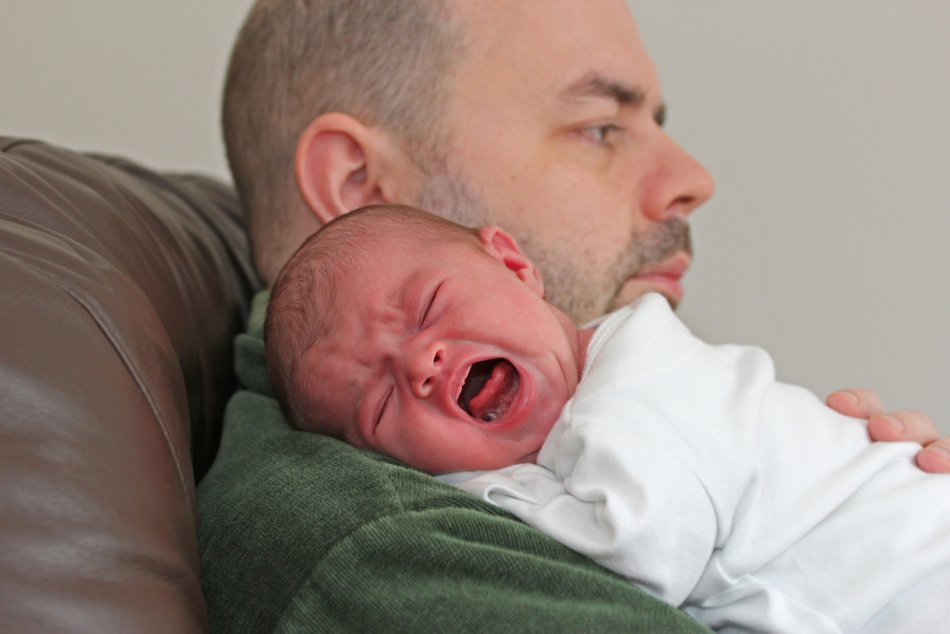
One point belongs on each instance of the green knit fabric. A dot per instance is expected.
(302, 533)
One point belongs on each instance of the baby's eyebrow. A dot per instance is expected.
(394, 304)
(411, 296)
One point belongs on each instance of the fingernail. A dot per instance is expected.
(897, 423)
(940, 450)
(852, 396)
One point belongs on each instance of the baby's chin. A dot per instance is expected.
(499, 462)
(531, 458)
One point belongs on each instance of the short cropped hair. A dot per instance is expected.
(305, 302)
(384, 62)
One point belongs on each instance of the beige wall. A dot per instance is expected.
(136, 78)
(827, 127)
(825, 123)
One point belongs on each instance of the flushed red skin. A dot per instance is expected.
(411, 327)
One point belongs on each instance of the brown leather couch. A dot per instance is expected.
(122, 290)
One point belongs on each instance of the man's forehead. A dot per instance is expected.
(559, 49)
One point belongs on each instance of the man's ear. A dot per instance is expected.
(501, 246)
(342, 165)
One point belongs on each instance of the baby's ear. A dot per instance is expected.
(505, 249)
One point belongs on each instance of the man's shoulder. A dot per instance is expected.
(299, 531)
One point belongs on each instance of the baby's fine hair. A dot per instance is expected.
(305, 302)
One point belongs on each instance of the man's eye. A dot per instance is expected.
(600, 133)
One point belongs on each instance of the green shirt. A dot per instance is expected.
(302, 533)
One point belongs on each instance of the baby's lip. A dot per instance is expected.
(489, 390)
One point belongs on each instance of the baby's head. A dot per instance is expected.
(399, 331)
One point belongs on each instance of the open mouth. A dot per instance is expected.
(490, 389)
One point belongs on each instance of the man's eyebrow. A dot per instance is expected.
(598, 86)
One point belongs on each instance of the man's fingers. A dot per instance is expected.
(907, 425)
(903, 425)
(935, 457)
(856, 402)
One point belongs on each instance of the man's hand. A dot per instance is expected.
(895, 426)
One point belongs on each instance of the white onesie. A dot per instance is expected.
(754, 507)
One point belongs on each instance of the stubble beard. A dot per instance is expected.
(571, 279)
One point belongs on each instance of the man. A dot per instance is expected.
(542, 116)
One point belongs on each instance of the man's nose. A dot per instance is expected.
(424, 365)
(677, 183)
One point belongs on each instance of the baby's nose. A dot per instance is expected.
(425, 367)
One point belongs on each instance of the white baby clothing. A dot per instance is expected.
(689, 469)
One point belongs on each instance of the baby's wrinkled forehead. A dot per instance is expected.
(335, 387)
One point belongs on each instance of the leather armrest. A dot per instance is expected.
(122, 290)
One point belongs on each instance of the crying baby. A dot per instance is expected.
(401, 332)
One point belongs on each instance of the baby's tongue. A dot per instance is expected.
(499, 393)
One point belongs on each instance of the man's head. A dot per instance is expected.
(383, 62)
(547, 123)
(400, 332)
